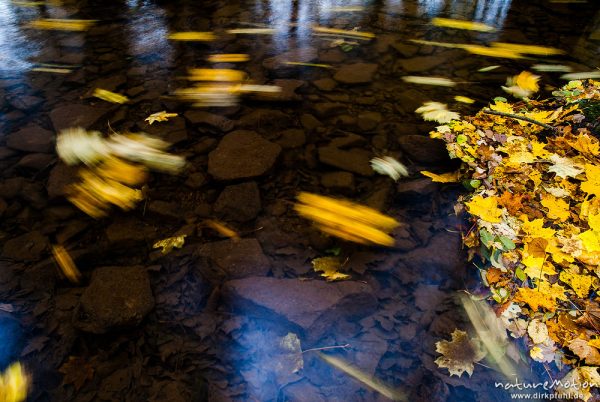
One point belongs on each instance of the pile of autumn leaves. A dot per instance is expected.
(536, 210)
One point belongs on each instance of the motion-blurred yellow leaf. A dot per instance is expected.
(14, 384)
(109, 96)
(439, 81)
(192, 36)
(223, 229)
(61, 24)
(464, 99)
(66, 264)
(346, 219)
(459, 24)
(124, 172)
(528, 49)
(492, 52)
(217, 74)
(228, 58)
(329, 268)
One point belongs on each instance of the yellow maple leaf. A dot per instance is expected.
(159, 116)
(558, 255)
(14, 384)
(521, 157)
(329, 268)
(485, 208)
(527, 81)
(538, 149)
(535, 228)
(591, 240)
(592, 184)
(169, 243)
(536, 267)
(586, 144)
(594, 342)
(450, 177)
(544, 295)
(579, 283)
(502, 107)
(557, 208)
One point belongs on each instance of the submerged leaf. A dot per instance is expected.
(459, 354)
(169, 243)
(329, 268)
(159, 116)
(450, 177)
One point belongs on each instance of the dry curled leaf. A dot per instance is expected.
(459, 354)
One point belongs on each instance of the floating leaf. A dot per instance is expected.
(581, 76)
(578, 382)
(459, 354)
(585, 351)
(528, 49)
(329, 268)
(464, 99)
(492, 52)
(440, 81)
(228, 58)
(347, 220)
(192, 36)
(160, 116)
(538, 331)
(169, 243)
(389, 166)
(14, 384)
(61, 24)
(436, 111)
(109, 96)
(459, 24)
(343, 32)
(450, 177)
(75, 145)
(66, 264)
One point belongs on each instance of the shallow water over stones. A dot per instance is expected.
(221, 306)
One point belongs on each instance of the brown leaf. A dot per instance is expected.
(76, 371)
(459, 355)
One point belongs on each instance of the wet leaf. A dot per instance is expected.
(159, 116)
(581, 76)
(14, 384)
(538, 331)
(551, 68)
(459, 24)
(464, 99)
(528, 49)
(169, 243)
(109, 96)
(217, 74)
(223, 229)
(299, 63)
(584, 351)
(581, 284)
(66, 264)
(343, 32)
(75, 145)
(77, 371)
(329, 268)
(252, 31)
(488, 68)
(459, 354)
(493, 52)
(389, 166)
(580, 380)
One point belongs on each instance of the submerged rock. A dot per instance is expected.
(238, 259)
(31, 139)
(299, 302)
(27, 247)
(240, 202)
(84, 116)
(242, 154)
(358, 73)
(355, 160)
(117, 297)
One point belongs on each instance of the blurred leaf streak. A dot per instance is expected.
(66, 264)
(191, 36)
(109, 96)
(440, 81)
(61, 24)
(252, 31)
(222, 229)
(51, 70)
(14, 384)
(298, 63)
(362, 377)
(343, 32)
(459, 24)
(228, 58)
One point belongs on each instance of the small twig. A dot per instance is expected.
(519, 117)
(327, 347)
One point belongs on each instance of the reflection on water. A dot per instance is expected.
(15, 49)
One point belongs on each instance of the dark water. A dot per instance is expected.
(203, 340)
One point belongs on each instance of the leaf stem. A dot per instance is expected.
(519, 117)
(327, 347)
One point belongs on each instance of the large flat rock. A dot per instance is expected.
(300, 302)
(358, 73)
(354, 160)
(242, 154)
